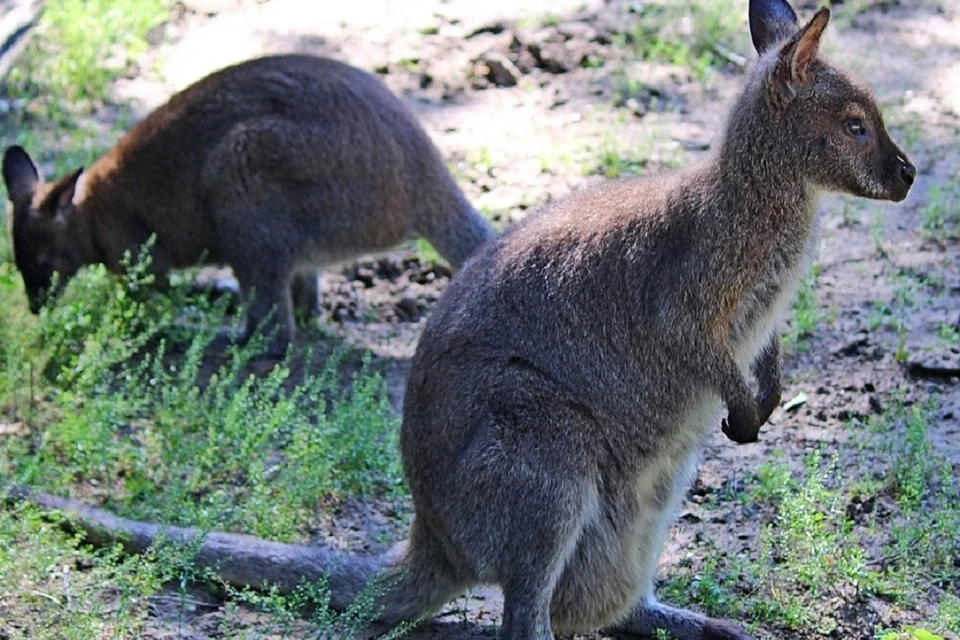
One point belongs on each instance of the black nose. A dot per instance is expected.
(907, 171)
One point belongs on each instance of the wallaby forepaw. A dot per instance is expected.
(741, 426)
(723, 630)
(767, 402)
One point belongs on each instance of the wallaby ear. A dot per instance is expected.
(792, 71)
(808, 43)
(63, 191)
(20, 175)
(770, 22)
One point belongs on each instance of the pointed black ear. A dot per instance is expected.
(20, 175)
(770, 22)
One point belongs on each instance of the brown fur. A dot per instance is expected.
(276, 166)
(564, 383)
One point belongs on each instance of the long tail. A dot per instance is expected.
(240, 560)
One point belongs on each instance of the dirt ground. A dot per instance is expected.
(507, 91)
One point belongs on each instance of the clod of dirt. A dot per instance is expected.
(944, 364)
(408, 309)
(497, 70)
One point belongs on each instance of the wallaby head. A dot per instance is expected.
(811, 118)
(43, 226)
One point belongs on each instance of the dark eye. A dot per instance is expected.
(855, 127)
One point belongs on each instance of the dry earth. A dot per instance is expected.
(515, 96)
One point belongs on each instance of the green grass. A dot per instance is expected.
(80, 49)
(113, 404)
(811, 550)
(699, 36)
(612, 157)
(940, 214)
(908, 292)
(807, 314)
(612, 160)
(54, 587)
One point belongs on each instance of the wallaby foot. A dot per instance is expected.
(647, 617)
(305, 291)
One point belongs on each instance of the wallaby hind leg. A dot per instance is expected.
(305, 290)
(526, 613)
(546, 530)
(649, 616)
(541, 516)
(269, 305)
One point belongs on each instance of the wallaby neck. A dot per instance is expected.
(760, 165)
(90, 204)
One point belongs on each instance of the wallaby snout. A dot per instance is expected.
(907, 171)
(907, 174)
(887, 174)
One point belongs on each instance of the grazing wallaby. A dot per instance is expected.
(276, 167)
(563, 385)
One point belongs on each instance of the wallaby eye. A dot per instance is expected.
(856, 128)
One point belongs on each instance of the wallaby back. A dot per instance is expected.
(275, 166)
(563, 385)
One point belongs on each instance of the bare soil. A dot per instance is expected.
(520, 97)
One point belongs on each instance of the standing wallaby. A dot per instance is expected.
(276, 166)
(563, 385)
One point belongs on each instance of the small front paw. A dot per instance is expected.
(741, 425)
(767, 402)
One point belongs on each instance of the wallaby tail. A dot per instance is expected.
(245, 561)
(454, 228)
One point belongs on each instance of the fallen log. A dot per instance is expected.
(239, 560)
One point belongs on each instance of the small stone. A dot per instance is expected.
(498, 70)
(408, 308)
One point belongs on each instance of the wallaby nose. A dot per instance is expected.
(907, 171)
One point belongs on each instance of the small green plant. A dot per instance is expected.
(913, 460)
(807, 313)
(902, 302)
(426, 254)
(949, 333)
(940, 216)
(877, 233)
(910, 633)
(550, 20)
(696, 35)
(612, 161)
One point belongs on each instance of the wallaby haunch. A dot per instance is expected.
(560, 391)
(276, 166)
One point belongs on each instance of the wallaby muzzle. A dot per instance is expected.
(907, 171)
(904, 174)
